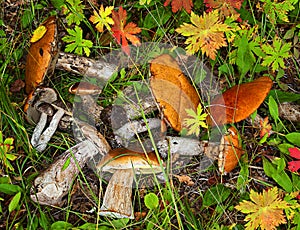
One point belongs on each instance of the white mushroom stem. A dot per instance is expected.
(54, 183)
(87, 67)
(117, 198)
(45, 137)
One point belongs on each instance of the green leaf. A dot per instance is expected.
(66, 164)
(273, 108)
(151, 201)
(89, 226)
(57, 3)
(284, 148)
(294, 138)
(61, 225)
(14, 202)
(215, 195)
(9, 189)
(280, 177)
(282, 96)
(156, 18)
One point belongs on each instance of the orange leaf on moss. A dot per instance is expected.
(206, 33)
(264, 210)
(123, 32)
(179, 4)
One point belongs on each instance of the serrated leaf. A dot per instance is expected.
(61, 225)
(102, 18)
(13, 204)
(180, 4)
(123, 32)
(206, 33)
(151, 201)
(264, 210)
(226, 8)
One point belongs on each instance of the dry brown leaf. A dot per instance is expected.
(185, 179)
(172, 90)
(39, 56)
(238, 102)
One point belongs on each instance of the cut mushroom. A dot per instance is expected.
(124, 164)
(230, 151)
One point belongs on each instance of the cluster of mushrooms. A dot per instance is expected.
(45, 109)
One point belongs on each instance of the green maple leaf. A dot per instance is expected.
(196, 121)
(77, 43)
(74, 11)
(276, 54)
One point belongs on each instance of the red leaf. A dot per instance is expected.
(123, 32)
(295, 152)
(225, 7)
(294, 166)
(179, 4)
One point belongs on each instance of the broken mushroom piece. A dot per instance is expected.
(124, 163)
(84, 88)
(230, 151)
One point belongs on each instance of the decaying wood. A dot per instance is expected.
(289, 111)
(117, 199)
(87, 67)
(54, 183)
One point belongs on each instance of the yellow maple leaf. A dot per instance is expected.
(38, 34)
(264, 210)
(102, 18)
(206, 33)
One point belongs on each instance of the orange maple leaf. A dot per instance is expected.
(266, 128)
(206, 33)
(225, 7)
(179, 4)
(264, 210)
(122, 32)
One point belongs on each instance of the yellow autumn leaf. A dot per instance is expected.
(38, 33)
(102, 18)
(206, 33)
(264, 210)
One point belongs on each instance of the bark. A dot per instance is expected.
(87, 67)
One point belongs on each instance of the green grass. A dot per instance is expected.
(210, 202)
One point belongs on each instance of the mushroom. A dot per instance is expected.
(43, 57)
(124, 163)
(230, 151)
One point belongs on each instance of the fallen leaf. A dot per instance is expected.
(123, 31)
(264, 210)
(231, 151)
(294, 166)
(179, 4)
(39, 56)
(102, 18)
(16, 86)
(172, 90)
(238, 102)
(206, 33)
(38, 33)
(185, 179)
(266, 128)
(226, 8)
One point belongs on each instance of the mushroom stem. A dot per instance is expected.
(117, 198)
(88, 67)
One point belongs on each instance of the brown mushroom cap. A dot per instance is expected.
(40, 55)
(84, 88)
(231, 152)
(122, 158)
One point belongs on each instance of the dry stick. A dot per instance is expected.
(88, 67)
